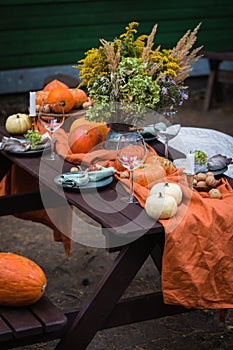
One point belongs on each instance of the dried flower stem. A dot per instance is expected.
(182, 52)
(150, 42)
(112, 57)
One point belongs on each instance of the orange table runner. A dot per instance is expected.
(18, 181)
(198, 253)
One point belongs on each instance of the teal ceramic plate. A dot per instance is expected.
(219, 171)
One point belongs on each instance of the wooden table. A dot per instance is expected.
(103, 309)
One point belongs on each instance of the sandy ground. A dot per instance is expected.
(71, 281)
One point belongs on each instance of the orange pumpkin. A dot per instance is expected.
(149, 173)
(79, 97)
(22, 281)
(164, 162)
(41, 97)
(84, 138)
(54, 84)
(118, 166)
(102, 127)
(132, 151)
(60, 99)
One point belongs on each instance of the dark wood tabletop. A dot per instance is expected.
(105, 308)
(121, 219)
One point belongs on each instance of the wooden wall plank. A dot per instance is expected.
(35, 33)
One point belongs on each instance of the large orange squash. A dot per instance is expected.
(102, 127)
(60, 99)
(164, 162)
(79, 97)
(84, 138)
(22, 281)
(54, 84)
(149, 173)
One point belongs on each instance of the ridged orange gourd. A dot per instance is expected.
(22, 281)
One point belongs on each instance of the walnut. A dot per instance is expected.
(210, 181)
(86, 104)
(200, 176)
(74, 168)
(194, 182)
(201, 184)
(46, 109)
(215, 193)
(210, 173)
(124, 175)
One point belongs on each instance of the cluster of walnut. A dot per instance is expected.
(204, 180)
(208, 181)
(43, 108)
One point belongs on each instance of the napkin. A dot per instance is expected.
(101, 174)
(14, 144)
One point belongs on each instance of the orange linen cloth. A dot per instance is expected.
(198, 254)
(18, 181)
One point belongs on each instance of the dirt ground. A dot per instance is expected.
(71, 280)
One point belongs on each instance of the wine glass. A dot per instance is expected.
(167, 125)
(131, 153)
(51, 122)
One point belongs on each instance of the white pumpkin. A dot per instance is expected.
(18, 123)
(168, 188)
(159, 206)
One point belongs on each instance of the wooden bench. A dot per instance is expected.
(21, 326)
(216, 76)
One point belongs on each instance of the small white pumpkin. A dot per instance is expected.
(168, 188)
(159, 206)
(18, 123)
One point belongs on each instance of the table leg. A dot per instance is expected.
(110, 289)
(5, 166)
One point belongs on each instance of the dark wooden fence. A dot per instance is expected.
(39, 33)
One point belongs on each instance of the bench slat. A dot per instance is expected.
(22, 321)
(49, 315)
(5, 331)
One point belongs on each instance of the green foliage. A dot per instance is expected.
(200, 157)
(33, 136)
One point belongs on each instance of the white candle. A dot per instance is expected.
(190, 163)
(32, 104)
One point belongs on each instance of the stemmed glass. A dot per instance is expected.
(167, 125)
(131, 153)
(51, 122)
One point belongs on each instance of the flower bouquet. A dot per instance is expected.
(128, 75)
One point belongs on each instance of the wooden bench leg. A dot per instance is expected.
(92, 316)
